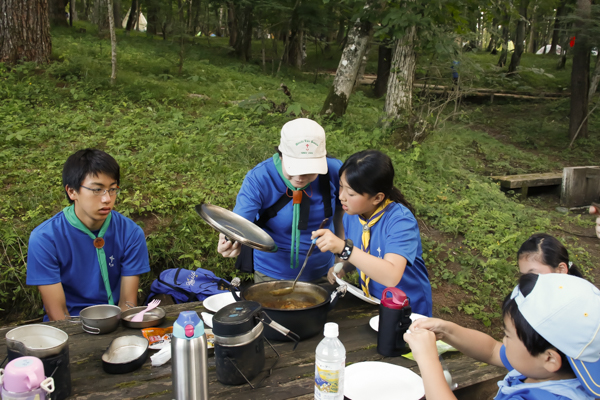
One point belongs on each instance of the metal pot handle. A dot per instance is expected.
(92, 330)
(340, 291)
(20, 346)
(234, 288)
(264, 317)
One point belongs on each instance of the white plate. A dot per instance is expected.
(207, 318)
(356, 291)
(374, 322)
(215, 302)
(382, 381)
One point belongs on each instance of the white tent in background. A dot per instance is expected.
(547, 49)
(142, 23)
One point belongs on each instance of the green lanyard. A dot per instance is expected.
(98, 244)
(295, 247)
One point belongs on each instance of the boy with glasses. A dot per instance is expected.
(87, 254)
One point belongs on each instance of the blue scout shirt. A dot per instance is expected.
(397, 232)
(513, 387)
(59, 252)
(262, 187)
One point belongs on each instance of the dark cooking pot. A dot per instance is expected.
(304, 311)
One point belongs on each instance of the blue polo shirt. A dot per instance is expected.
(262, 187)
(397, 232)
(513, 386)
(59, 252)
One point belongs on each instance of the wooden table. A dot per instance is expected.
(293, 378)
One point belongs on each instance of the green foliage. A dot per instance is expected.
(183, 139)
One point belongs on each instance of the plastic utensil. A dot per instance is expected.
(290, 289)
(139, 317)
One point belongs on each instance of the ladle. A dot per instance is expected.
(290, 289)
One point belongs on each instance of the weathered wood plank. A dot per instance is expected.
(581, 186)
(529, 180)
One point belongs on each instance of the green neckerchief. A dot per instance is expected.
(76, 223)
(295, 247)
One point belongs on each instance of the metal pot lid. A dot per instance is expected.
(236, 227)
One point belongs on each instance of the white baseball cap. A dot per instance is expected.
(565, 310)
(303, 147)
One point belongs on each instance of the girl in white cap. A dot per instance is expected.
(288, 196)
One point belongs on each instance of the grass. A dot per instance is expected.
(178, 151)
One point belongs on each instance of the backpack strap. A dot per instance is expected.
(325, 190)
(273, 210)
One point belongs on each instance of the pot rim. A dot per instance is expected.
(323, 303)
(116, 308)
(37, 327)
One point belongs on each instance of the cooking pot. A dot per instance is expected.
(99, 319)
(304, 311)
(50, 345)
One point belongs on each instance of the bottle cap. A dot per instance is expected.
(181, 327)
(331, 330)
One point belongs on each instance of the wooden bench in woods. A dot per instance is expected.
(525, 181)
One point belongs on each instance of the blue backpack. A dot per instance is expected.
(187, 285)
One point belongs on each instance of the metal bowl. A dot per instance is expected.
(125, 354)
(100, 319)
(152, 318)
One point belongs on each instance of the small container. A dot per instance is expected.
(330, 364)
(189, 358)
(394, 321)
(24, 378)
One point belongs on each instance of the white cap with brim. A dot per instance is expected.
(565, 310)
(303, 147)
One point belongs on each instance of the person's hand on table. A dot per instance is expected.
(226, 249)
(595, 210)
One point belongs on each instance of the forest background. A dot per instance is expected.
(191, 104)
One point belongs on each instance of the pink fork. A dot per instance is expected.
(139, 317)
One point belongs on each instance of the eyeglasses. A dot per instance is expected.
(101, 192)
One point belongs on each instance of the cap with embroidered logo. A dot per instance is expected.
(303, 147)
(565, 310)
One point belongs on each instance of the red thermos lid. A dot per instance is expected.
(396, 301)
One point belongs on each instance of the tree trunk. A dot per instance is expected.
(231, 23)
(25, 31)
(560, 13)
(117, 15)
(531, 45)
(363, 63)
(243, 41)
(132, 14)
(113, 41)
(515, 60)
(99, 15)
(181, 35)
(56, 12)
(152, 11)
(402, 75)
(493, 35)
(580, 73)
(295, 48)
(505, 34)
(345, 76)
(384, 64)
(595, 79)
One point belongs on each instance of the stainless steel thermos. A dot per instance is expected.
(394, 321)
(189, 358)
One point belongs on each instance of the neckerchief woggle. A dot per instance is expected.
(98, 244)
(296, 200)
(366, 240)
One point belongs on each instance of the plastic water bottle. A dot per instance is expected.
(330, 361)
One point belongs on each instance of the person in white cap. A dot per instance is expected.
(289, 195)
(551, 342)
